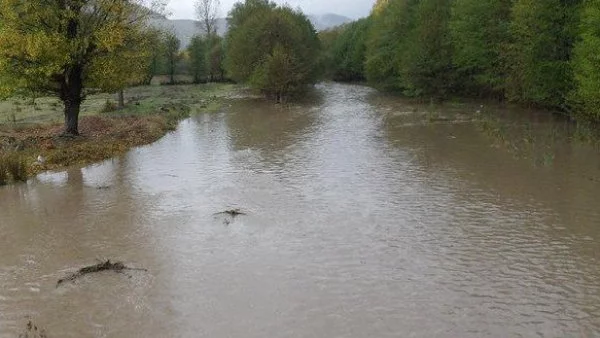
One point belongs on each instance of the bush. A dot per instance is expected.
(108, 107)
(15, 165)
(275, 50)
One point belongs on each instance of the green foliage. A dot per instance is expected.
(426, 65)
(543, 33)
(157, 64)
(409, 47)
(392, 20)
(348, 52)
(16, 167)
(172, 55)
(197, 52)
(215, 58)
(272, 43)
(528, 51)
(586, 64)
(243, 11)
(64, 47)
(480, 32)
(328, 39)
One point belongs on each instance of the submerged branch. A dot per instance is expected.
(102, 266)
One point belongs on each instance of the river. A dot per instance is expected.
(357, 224)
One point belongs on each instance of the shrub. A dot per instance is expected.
(108, 107)
(15, 165)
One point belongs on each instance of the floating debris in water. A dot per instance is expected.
(232, 213)
(102, 266)
(32, 331)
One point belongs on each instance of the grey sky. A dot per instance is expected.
(184, 9)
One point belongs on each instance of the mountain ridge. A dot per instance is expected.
(185, 29)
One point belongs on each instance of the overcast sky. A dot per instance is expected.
(184, 9)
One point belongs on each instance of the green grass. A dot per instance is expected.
(144, 100)
(29, 129)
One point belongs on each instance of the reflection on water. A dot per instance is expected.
(358, 225)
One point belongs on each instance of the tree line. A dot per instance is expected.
(537, 52)
(71, 48)
(542, 53)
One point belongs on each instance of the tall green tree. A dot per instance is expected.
(543, 33)
(273, 41)
(64, 47)
(328, 39)
(480, 31)
(172, 55)
(426, 62)
(197, 52)
(216, 58)
(243, 11)
(392, 21)
(586, 64)
(349, 52)
(157, 64)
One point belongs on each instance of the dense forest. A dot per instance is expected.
(539, 53)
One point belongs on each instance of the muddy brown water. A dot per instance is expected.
(358, 225)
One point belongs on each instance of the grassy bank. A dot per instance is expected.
(30, 128)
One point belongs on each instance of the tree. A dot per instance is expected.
(197, 53)
(242, 11)
(426, 63)
(328, 40)
(543, 33)
(272, 42)
(64, 47)
(207, 12)
(135, 57)
(349, 52)
(480, 31)
(586, 64)
(157, 65)
(392, 20)
(172, 56)
(216, 58)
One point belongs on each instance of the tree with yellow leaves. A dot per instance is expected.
(68, 48)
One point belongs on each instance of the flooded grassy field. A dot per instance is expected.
(357, 215)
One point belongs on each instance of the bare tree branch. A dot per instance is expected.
(207, 12)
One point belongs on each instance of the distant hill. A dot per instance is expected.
(325, 21)
(186, 29)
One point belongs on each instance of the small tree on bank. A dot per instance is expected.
(64, 47)
(275, 49)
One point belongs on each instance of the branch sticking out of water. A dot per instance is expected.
(233, 213)
(31, 331)
(102, 266)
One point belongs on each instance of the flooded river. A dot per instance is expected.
(357, 224)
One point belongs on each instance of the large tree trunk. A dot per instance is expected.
(72, 96)
(72, 118)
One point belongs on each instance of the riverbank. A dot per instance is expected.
(30, 129)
